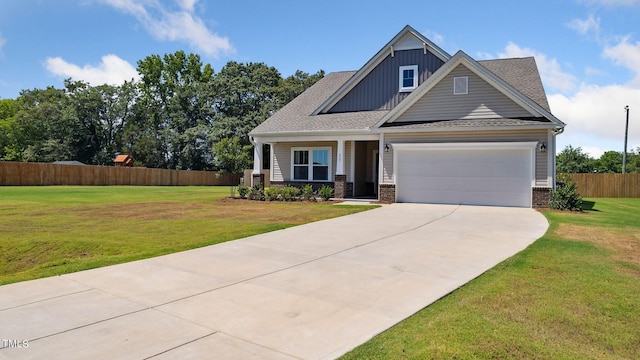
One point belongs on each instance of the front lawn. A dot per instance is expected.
(573, 294)
(46, 231)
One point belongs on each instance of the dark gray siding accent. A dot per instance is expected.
(379, 89)
(483, 101)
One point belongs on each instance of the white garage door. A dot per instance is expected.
(498, 174)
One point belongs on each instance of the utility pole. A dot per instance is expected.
(626, 133)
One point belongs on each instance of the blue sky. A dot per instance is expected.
(588, 51)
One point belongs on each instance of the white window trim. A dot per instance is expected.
(415, 78)
(310, 165)
(466, 88)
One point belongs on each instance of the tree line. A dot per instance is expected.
(173, 117)
(573, 160)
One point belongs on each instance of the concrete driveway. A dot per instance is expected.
(310, 292)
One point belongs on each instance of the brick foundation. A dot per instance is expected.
(340, 187)
(541, 197)
(257, 179)
(387, 193)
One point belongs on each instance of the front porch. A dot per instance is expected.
(351, 167)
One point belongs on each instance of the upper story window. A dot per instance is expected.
(460, 85)
(408, 77)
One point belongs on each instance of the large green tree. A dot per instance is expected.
(170, 118)
(45, 123)
(8, 128)
(609, 162)
(246, 94)
(574, 160)
(178, 104)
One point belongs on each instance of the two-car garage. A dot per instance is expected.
(499, 174)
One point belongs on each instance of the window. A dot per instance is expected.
(311, 164)
(408, 77)
(460, 85)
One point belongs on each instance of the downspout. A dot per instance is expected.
(555, 132)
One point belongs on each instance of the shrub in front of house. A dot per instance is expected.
(289, 193)
(256, 193)
(273, 194)
(565, 196)
(242, 191)
(307, 193)
(325, 192)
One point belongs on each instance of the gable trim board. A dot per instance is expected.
(500, 174)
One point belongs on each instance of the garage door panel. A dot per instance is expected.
(457, 184)
(471, 198)
(471, 176)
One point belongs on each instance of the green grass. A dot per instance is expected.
(573, 294)
(47, 231)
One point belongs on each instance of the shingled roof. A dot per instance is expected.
(522, 74)
(297, 116)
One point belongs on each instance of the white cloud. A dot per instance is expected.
(437, 38)
(181, 25)
(112, 70)
(590, 24)
(628, 55)
(597, 112)
(594, 151)
(188, 5)
(553, 77)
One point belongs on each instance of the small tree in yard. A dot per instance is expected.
(230, 156)
(565, 196)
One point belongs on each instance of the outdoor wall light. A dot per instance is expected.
(543, 147)
(387, 147)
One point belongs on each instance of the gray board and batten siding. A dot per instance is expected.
(482, 101)
(379, 90)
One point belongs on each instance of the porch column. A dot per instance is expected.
(340, 163)
(340, 184)
(256, 176)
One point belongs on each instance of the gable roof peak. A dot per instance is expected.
(407, 38)
(401, 39)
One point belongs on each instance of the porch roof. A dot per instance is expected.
(297, 116)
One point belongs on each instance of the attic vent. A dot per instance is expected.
(460, 85)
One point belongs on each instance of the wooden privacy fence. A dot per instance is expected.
(608, 185)
(22, 174)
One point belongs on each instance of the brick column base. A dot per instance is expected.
(541, 197)
(257, 179)
(340, 187)
(387, 193)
